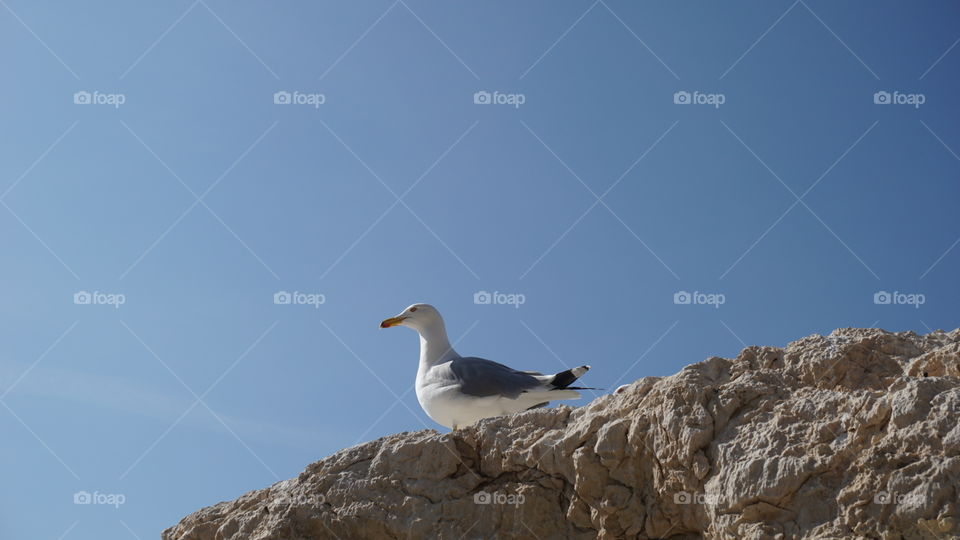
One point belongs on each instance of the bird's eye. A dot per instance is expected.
(412, 309)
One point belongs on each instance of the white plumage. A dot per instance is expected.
(456, 391)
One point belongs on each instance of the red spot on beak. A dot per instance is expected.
(392, 321)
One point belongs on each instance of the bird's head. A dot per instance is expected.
(420, 317)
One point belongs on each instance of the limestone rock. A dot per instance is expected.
(851, 435)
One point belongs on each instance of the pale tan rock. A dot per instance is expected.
(838, 436)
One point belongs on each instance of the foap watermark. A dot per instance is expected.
(97, 298)
(910, 499)
(314, 100)
(99, 98)
(685, 497)
(298, 298)
(498, 298)
(698, 298)
(897, 298)
(301, 499)
(498, 497)
(107, 499)
(482, 97)
(883, 97)
(696, 97)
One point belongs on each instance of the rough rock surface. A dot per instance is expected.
(851, 435)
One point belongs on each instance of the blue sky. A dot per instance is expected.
(185, 192)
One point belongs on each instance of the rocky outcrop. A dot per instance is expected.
(851, 435)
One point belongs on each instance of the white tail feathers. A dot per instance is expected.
(550, 395)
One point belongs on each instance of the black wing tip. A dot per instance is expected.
(565, 378)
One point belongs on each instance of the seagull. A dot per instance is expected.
(456, 391)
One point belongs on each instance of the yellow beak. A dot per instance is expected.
(392, 321)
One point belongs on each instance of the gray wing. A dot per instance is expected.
(481, 378)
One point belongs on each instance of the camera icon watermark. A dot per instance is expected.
(98, 98)
(84, 298)
(684, 298)
(282, 298)
(108, 499)
(498, 298)
(682, 97)
(315, 100)
(897, 298)
(482, 97)
(882, 97)
(498, 497)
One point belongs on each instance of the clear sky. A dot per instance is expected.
(777, 190)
